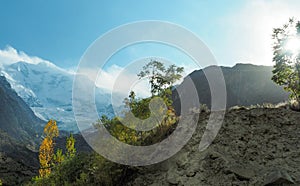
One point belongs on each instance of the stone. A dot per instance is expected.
(241, 172)
(278, 178)
(172, 177)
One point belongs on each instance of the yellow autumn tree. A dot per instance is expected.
(51, 129)
(46, 151)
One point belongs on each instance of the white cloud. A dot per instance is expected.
(122, 80)
(10, 55)
(248, 32)
(114, 79)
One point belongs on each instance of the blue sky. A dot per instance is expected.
(60, 31)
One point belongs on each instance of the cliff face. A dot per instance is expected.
(257, 146)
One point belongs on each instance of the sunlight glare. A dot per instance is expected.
(293, 45)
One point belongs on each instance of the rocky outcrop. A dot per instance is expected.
(278, 177)
(258, 146)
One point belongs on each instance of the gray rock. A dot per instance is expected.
(278, 178)
(294, 105)
(241, 172)
(172, 177)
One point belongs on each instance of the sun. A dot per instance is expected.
(293, 45)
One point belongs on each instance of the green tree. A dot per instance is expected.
(161, 80)
(58, 157)
(70, 146)
(286, 56)
(86, 169)
(160, 77)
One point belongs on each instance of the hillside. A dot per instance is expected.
(257, 146)
(19, 134)
(16, 118)
(246, 85)
(18, 163)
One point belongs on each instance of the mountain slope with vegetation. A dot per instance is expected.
(19, 136)
(18, 163)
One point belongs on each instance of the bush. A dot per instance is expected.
(86, 169)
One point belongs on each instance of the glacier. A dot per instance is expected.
(47, 89)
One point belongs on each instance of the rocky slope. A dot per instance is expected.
(258, 146)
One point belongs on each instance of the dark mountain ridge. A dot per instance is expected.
(246, 85)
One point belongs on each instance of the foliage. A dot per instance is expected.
(48, 159)
(120, 131)
(58, 157)
(287, 65)
(70, 146)
(160, 77)
(45, 157)
(133, 137)
(86, 169)
(51, 129)
(46, 151)
(161, 80)
(139, 107)
(93, 169)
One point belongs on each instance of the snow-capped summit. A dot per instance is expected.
(46, 88)
(40, 84)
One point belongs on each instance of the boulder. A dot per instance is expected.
(278, 178)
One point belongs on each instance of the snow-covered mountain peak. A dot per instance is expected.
(10, 55)
(46, 88)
